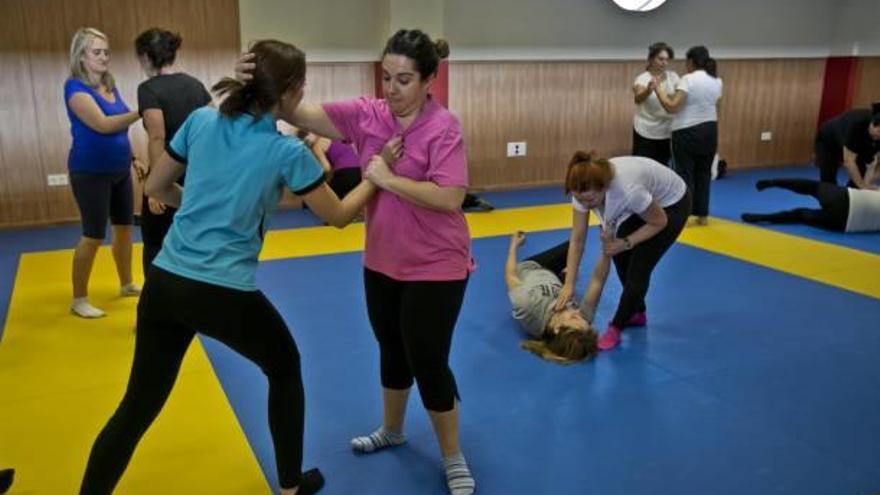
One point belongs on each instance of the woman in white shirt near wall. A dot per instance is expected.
(651, 124)
(695, 125)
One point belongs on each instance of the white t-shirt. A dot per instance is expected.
(652, 121)
(637, 181)
(703, 92)
(864, 210)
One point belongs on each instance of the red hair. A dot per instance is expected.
(586, 172)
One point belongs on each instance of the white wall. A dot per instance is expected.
(356, 30)
(857, 28)
(559, 29)
(426, 15)
(327, 30)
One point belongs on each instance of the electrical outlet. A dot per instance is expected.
(766, 136)
(516, 148)
(57, 180)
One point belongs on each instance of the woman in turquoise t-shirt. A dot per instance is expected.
(203, 279)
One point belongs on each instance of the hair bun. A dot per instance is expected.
(442, 47)
(176, 41)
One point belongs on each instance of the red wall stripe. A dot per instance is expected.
(839, 86)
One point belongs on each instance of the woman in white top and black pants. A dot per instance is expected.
(651, 124)
(695, 125)
(643, 207)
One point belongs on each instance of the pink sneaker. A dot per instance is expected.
(609, 339)
(637, 320)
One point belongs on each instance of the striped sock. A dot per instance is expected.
(458, 476)
(379, 439)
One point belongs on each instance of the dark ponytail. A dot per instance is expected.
(278, 67)
(416, 45)
(699, 57)
(159, 45)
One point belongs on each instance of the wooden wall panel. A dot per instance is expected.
(35, 131)
(332, 81)
(559, 107)
(19, 144)
(781, 96)
(867, 88)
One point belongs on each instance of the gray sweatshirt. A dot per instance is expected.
(533, 299)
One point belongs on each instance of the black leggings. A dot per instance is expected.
(171, 310)
(634, 266)
(658, 149)
(413, 323)
(694, 151)
(833, 199)
(553, 259)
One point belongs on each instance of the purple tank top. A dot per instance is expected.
(341, 155)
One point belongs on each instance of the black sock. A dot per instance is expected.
(763, 184)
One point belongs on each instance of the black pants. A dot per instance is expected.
(833, 199)
(413, 323)
(658, 149)
(171, 310)
(635, 266)
(153, 230)
(553, 259)
(829, 157)
(694, 150)
(344, 180)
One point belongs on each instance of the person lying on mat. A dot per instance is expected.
(842, 209)
(565, 336)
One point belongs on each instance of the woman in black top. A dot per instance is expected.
(852, 138)
(165, 100)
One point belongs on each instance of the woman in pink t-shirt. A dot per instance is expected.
(417, 256)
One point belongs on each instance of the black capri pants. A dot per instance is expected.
(658, 149)
(413, 323)
(170, 312)
(635, 266)
(103, 196)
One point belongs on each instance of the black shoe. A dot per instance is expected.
(762, 184)
(312, 481)
(751, 217)
(6, 477)
(477, 204)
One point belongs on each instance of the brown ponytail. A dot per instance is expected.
(279, 67)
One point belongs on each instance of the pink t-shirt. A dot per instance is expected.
(406, 241)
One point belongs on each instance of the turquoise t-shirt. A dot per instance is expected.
(235, 171)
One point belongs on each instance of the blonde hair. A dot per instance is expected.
(569, 346)
(81, 42)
